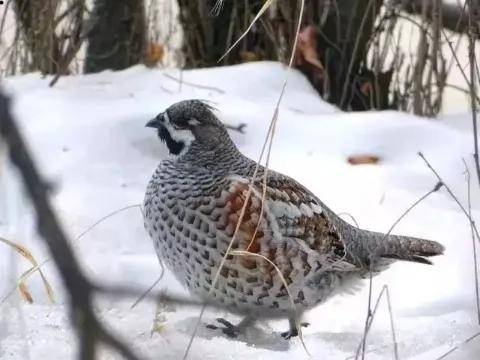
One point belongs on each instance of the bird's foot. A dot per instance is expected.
(293, 331)
(228, 328)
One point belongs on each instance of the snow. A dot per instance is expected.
(88, 136)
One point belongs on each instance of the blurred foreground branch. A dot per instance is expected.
(89, 330)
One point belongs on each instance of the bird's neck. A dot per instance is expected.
(220, 154)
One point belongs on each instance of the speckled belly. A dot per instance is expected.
(191, 235)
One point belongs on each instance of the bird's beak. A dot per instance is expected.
(155, 123)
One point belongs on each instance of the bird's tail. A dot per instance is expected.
(375, 247)
(411, 249)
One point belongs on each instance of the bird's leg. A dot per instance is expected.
(293, 331)
(232, 330)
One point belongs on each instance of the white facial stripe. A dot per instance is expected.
(166, 118)
(185, 136)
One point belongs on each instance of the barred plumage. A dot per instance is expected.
(192, 206)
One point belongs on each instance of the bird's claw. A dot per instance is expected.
(228, 328)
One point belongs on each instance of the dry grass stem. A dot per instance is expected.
(361, 346)
(264, 8)
(455, 348)
(369, 317)
(284, 282)
(472, 41)
(452, 195)
(199, 86)
(252, 181)
(37, 267)
(146, 292)
(350, 216)
(23, 251)
(102, 219)
(474, 243)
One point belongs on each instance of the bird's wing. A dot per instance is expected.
(293, 224)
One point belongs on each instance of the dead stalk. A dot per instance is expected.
(474, 244)
(472, 35)
(453, 196)
(368, 325)
(370, 314)
(268, 137)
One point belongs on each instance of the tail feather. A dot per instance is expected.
(371, 247)
(414, 258)
(410, 249)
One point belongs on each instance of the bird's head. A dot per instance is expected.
(188, 122)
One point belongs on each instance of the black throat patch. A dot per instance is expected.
(175, 147)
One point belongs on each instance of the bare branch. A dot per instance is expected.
(458, 346)
(450, 192)
(454, 17)
(472, 36)
(204, 87)
(80, 290)
(370, 322)
(76, 39)
(370, 314)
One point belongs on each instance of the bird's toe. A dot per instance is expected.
(227, 327)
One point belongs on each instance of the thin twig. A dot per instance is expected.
(370, 315)
(264, 8)
(254, 175)
(199, 86)
(354, 55)
(435, 189)
(474, 244)
(75, 42)
(473, 83)
(144, 294)
(455, 348)
(370, 322)
(351, 217)
(103, 218)
(363, 343)
(197, 324)
(39, 267)
(450, 192)
(459, 66)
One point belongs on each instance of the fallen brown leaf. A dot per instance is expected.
(363, 159)
(155, 54)
(307, 50)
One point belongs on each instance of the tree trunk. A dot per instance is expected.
(36, 19)
(343, 44)
(345, 28)
(116, 39)
(207, 36)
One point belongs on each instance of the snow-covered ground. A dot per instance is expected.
(88, 136)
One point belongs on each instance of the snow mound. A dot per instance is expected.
(88, 136)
